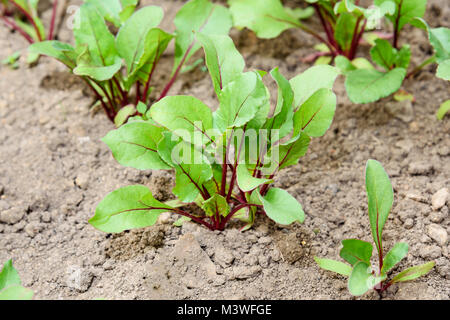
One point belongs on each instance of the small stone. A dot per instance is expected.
(265, 240)
(242, 272)
(416, 196)
(409, 223)
(439, 199)
(250, 260)
(264, 261)
(82, 180)
(438, 216)
(420, 168)
(430, 252)
(33, 228)
(12, 216)
(223, 257)
(438, 234)
(164, 218)
(46, 217)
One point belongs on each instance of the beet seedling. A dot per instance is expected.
(358, 253)
(22, 17)
(10, 285)
(225, 161)
(98, 56)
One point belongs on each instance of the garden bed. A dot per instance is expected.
(54, 170)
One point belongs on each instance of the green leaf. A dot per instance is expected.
(61, 51)
(184, 114)
(335, 266)
(224, 62)
(345, 27)
(403, 57)
(100, 73)
(267, 18)
(414, 272)
(443, 70)
(444, 108)
(9, 276)
(218, 204)
(383, 54)
(409, 9)
(354, 251)
(246, 181)
(131, 39)
(313, 79)
(135, 145)
(381, 197)
(180, 221)
(240, 101)
(365, 86)
(194, 17)
(344, 64)
(127, 208)
(192, 168)
(91, 31)
(123, 115)
(281, 207)
(361, 279)
(315, 115)
(16, 292)
(394, 256)
(115, 11)
(440, 40)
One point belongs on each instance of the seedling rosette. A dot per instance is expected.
(114, 65)
(358, 253)
(224, 161)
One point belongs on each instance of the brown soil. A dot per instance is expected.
(54, 170)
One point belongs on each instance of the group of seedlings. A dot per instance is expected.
(225, 161)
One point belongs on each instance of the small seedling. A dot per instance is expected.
(10, 285)
(358, 253)
(22, 16)
(225, 161)
(113, 65)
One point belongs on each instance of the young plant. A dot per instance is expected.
(10, 285)
(113, 65)
(358, 253)
(225, 161)
(22, 16)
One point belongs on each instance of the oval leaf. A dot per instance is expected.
(281, 207)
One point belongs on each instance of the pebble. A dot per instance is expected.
(223, 257)
(12, 216)
(420, 168)
(164, 217)
(82, 180)
(438, 216)
(242, 272)
(33, 228)
(265, 240)
(409, 223)
(430, 252)
(439, 199)
(438, 234)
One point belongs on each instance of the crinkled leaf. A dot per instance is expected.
(127, 208)
(135, 145)
(281, 207)
(380, 197)
(394, 256)
(414, 272)
(354, 250)
(224, 62)
(267, 18)
(335, 266)
(365, 86)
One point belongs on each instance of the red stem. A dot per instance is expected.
(358, 40)
(396, 25)
(52, 24)
(30, 18)
(15, 27)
